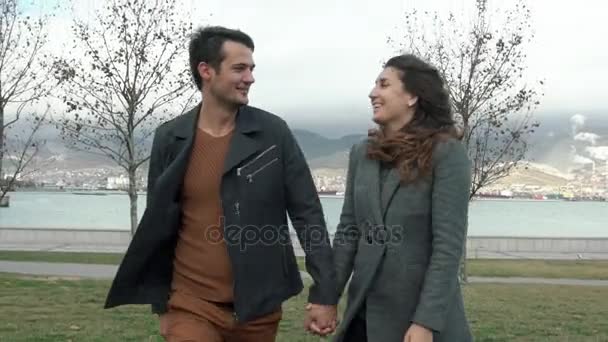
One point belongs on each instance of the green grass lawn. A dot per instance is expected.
(578, 269)
(71, 257)
(42, 309)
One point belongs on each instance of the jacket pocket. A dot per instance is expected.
(239, 171)
(260, 169)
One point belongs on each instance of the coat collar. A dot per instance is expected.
(185, 128)
(242, 144)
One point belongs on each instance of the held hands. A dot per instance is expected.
(321, 319)
(418, 333)
(164, 325)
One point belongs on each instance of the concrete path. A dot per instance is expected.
(66, 270)
(121, 248)
(107, 272)
(64, 247)
(59, 269)
(544, 281)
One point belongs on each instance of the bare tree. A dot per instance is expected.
(22, 148)
(23, 70)
(132, 75)
(484, 64)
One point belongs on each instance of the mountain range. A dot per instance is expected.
(562, 141)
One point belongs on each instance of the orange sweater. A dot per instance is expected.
(202, 267)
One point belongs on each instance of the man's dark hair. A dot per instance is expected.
(206, 46)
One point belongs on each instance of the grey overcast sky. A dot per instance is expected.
(317, 59)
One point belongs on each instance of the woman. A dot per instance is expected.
(402, 229)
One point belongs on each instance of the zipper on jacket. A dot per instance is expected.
(238, 170)
(285, 263)
(250, 176)
(237, 208)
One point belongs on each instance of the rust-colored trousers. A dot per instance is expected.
(191, 319)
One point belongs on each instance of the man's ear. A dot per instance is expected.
(205, 71)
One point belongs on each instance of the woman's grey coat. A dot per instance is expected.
(403, 246)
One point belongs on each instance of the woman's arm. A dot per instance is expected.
(347, 234)
(450, 203)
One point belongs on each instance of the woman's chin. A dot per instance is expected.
(378, 119)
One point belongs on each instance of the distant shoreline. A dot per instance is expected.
(321, 195)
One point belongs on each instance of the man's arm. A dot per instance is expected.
(306, 214)
(155, 165)
(155, 168)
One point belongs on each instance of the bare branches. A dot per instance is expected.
(21, 152)
(129, 76)
(134, 74)
(23, 82)
(484, 65)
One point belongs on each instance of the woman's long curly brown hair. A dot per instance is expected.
(411, 149)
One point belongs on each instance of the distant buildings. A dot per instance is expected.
(8, 177)
(539, 182)
(330, 180)
(117, 183)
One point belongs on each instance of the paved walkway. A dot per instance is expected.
(107, 272)
(121, 248)
(66, 270)
(59, 269)
(544, 281)
(63, 247)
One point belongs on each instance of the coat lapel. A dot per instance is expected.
(178, 152)
(372, 171)
(242, 144)
(241, 147)
(390, 187)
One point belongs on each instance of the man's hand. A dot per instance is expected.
(164, 325)
(321, 319)
(418, 333)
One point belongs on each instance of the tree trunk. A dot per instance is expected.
(462, 274)
(2, 190)
(133, 200)
(463, 262)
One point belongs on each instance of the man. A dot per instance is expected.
(212, 252)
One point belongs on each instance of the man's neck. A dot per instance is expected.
(216, 119)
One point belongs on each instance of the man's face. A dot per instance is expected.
(230, 84)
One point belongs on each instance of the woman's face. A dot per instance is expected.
(392, 104)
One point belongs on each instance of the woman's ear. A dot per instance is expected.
(412, 101)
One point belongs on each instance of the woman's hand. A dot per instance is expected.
(418, 333)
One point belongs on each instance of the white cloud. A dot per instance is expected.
(318, 54)
(590, 138)
(598, 152)
(577, 121)
(582, 160)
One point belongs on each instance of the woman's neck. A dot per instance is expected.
(393, 127)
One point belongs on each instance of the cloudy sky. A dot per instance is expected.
(317, 60)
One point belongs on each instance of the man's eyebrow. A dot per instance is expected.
(244, 65)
